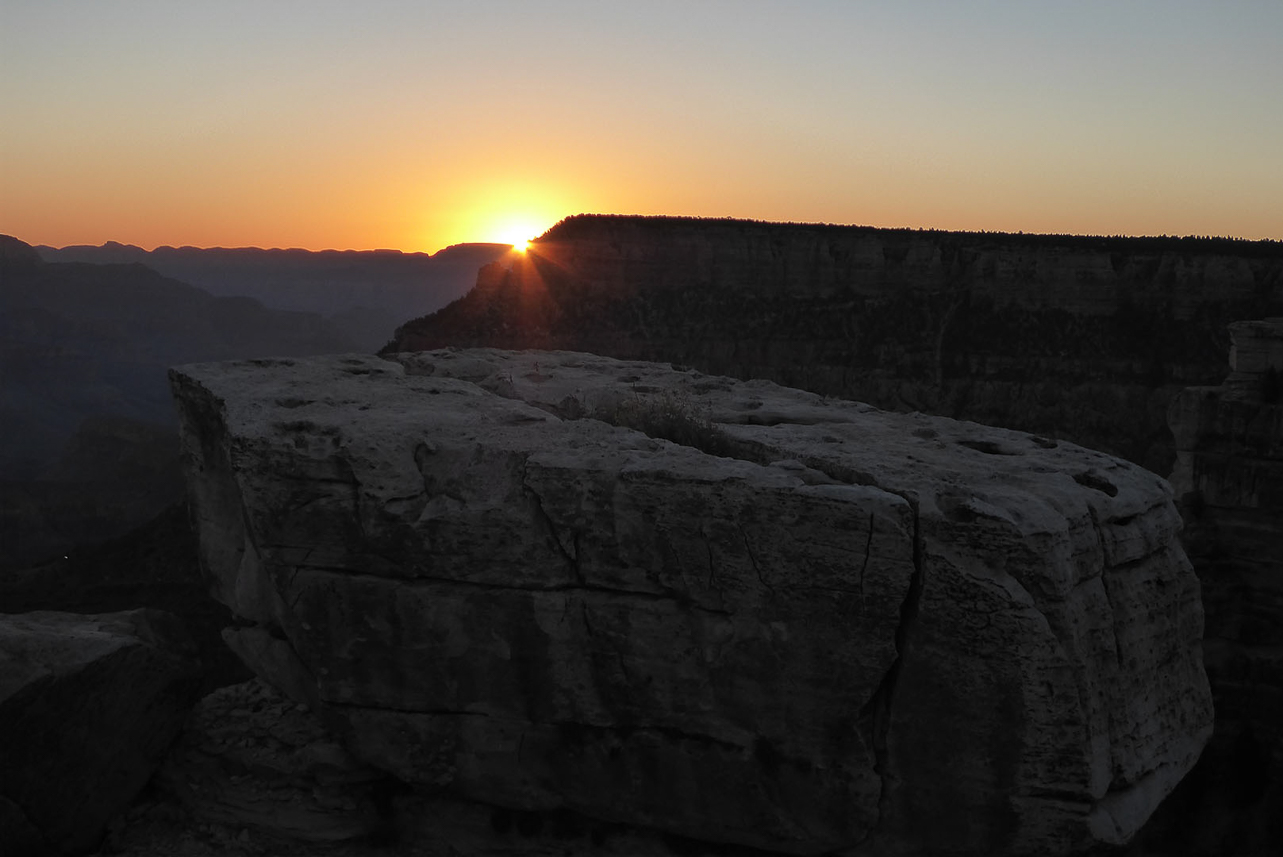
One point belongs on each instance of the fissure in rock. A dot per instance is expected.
(875, 716)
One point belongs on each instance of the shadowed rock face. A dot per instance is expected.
(806, 625)
(88, 705)
(1229, 476)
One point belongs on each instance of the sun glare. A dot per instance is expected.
(517, 233)
(519, 237)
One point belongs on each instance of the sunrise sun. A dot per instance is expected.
(519, 236)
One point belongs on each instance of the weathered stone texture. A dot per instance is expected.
(251, 759)
(841, 623)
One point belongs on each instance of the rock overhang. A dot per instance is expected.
(454, 551)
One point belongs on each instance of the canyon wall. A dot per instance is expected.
(1088, 339)
(1229, 477)
(729, 611)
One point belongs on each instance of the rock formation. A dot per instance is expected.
(1229, 476)
(1081, 338)
(250, 758)
(728, 611)
(88, 706)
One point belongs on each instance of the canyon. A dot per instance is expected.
(729, 611)
(366, 293)
(1109, 343)
(87, 333)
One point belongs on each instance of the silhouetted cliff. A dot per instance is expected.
(1078, 337)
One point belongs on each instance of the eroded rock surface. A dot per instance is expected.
(88, 705)
(251, 758)
(807, 625)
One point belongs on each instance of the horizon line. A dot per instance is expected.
(677, 218)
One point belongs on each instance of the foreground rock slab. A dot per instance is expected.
(88, 705)
(726, 610)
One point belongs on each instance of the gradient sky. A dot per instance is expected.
(415, 125)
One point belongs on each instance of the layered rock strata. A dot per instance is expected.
(1075, 337)
(88, 705)
(1229, 477)
(741, 613)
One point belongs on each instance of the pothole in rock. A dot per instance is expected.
(988, 447)
(1099, 483)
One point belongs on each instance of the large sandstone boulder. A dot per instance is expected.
(796, 624)
(88, 705)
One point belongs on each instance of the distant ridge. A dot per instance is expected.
(367, 292)
(110, 252)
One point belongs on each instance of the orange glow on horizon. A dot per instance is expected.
(519, 237)
(518, 230)
(362, 131)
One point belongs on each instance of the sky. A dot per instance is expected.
(416, 125)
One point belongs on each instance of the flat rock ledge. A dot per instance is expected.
(725, 610)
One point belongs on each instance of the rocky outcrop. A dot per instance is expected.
(156, 566)
(1081, 338)
(1229, 476)
(88, 705)
(796, 624)
(253, 759)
